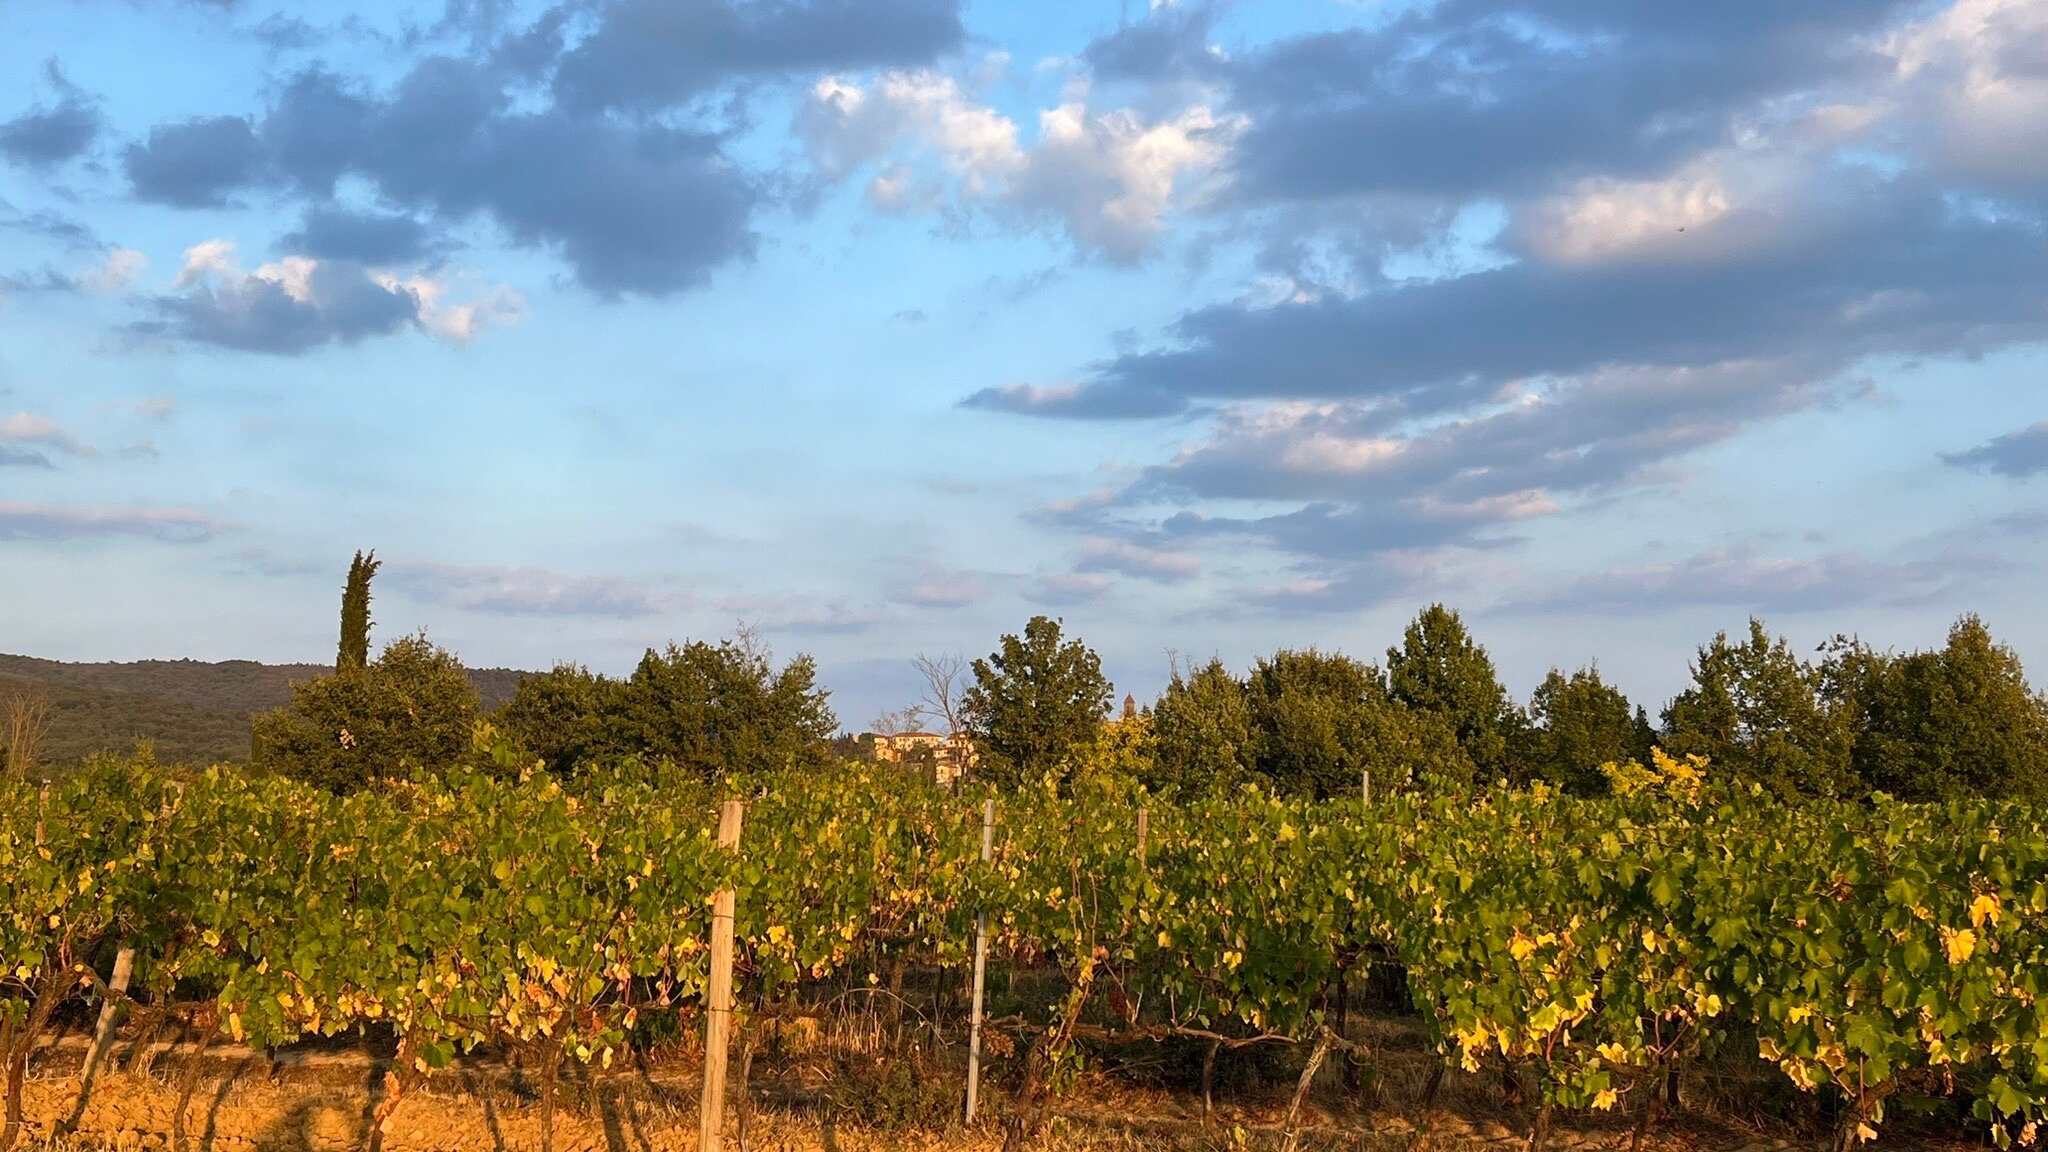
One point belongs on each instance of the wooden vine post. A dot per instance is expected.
(718, 994)
(1144, 828)
(988, 845)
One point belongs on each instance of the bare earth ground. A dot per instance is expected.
(319, 1102)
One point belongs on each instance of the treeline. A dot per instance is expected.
(1956, 721)
(713, 708)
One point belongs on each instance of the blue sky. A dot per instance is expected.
(882, 325)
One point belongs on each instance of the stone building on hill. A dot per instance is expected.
(948, 758)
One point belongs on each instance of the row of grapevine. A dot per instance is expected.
(1869, 951)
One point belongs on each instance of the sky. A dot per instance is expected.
(883, 325)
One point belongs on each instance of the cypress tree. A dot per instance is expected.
(355, 613)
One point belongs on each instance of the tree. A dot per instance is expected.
(560, 716)
(1578, 724)
(1124, 749)
(714, 709)
(1757, 712)
(722, 709)
(1438, 669)
(1034, 701)
(1953, 722)
(944, 678)
(413, 707)
(355, 613)
(1202, 732)
(1322, 721)
(895, 723)
(27, 717)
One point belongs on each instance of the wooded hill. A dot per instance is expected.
(192, 711)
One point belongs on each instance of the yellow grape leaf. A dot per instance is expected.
(1983, 908)
(1960, 945)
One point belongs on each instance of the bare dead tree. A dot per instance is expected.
(945, 681)
(27, 716)
(896, 723)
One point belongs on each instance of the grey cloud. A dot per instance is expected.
(648, 204)
(1351, 586)
(46, 136)
(1898, 271)
(531, 591)
(1170, 43)
(339, 303)
(1474, 98)
(374, 238)
(44, 281)
(1745, 579)
(652, 54)
(1332, 531)
(196, 163)
(1364, 488)
(13, 457)
(1077, 401)
(2016, 454)
(633, 208)
(56, 522)
(50, 225)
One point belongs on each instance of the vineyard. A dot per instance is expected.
(1877, 954)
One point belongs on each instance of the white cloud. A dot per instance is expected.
(208, 257)
(116, 272)
(1973, 78)
(20, 521)
(41, 431)
(1102, 554)
(533, 591)
(941, 588)
(1332, 454)
(1605, 218)
(1060, 588)
(1724, 203)
(460, 323)
(1109, 179)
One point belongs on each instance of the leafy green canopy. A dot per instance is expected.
(1578, 723)
(1202, 733)
(1034, 701)
(711, 709)
(1322, 723)
(1441, 670)
(413, 707)
(1757, 712)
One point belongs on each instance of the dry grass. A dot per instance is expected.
(864, 1082)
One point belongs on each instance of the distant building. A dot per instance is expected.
(949, 757)
(890, 748)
